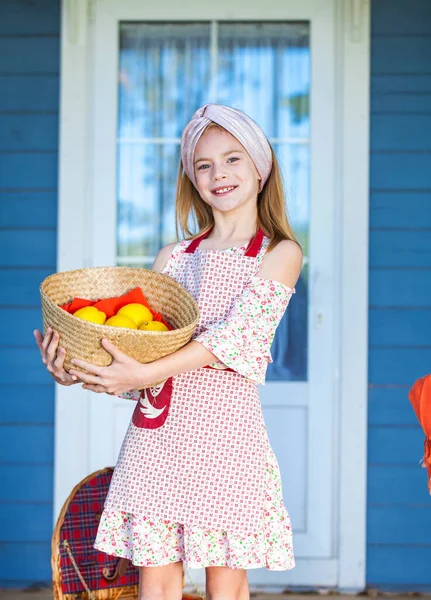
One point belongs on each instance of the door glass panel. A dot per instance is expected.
(289, 348)
(166, 72)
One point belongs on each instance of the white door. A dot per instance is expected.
(150, 67)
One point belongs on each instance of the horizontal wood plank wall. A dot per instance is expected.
(29, 103)
(399, 506)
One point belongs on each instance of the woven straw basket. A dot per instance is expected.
(82, 339)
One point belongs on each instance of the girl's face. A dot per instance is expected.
(225, 174)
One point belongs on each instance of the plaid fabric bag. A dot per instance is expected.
(80, 572)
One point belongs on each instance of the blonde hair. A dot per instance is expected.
(271, 207)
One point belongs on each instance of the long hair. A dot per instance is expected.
(271, 207)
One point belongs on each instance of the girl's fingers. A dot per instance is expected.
(45, 344)
(39, 338)
(87, 366)
(52, 348)
(47, 339)
(86, 377)
(52, 358)
(59, 371)
(55, 362)
(59, 361)
(46, 358)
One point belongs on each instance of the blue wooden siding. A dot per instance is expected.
(399, 506)
(29, 100)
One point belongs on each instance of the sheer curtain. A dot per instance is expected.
(168, 70)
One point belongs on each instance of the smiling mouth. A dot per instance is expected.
(224, 191)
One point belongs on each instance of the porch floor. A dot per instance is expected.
(46, 594)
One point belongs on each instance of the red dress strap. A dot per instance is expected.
(195, 243)
(255, 244)
(252, 248)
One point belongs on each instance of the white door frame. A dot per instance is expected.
(347, 569)
(305, 408)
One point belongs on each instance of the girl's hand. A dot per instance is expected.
(52, 358)
(122, 375)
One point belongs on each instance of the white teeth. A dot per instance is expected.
(224, 190)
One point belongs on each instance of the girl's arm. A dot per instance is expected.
(243, 338)
(163, 257)
(188, 358)
(283, 263)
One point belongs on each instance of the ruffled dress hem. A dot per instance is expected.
(165, 543)
(202, 565)
(155, 542)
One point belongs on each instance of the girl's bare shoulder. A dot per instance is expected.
(163, 257)
(283, 263)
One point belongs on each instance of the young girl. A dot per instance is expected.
(196, 480)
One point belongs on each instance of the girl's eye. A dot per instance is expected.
(235, 158)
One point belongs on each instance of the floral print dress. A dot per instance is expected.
(198, 481)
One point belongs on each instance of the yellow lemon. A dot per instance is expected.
(153, 326)
(121, 321)
(137, 312)
(90, 313)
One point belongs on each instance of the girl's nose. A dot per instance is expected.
(219, 172)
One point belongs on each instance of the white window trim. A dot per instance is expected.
(352, 134)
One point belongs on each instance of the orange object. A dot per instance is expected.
(110, 306)
(76, 304)
(420, 397)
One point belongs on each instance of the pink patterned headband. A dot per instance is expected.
(237, 123)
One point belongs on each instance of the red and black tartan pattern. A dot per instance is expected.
(79, 529)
